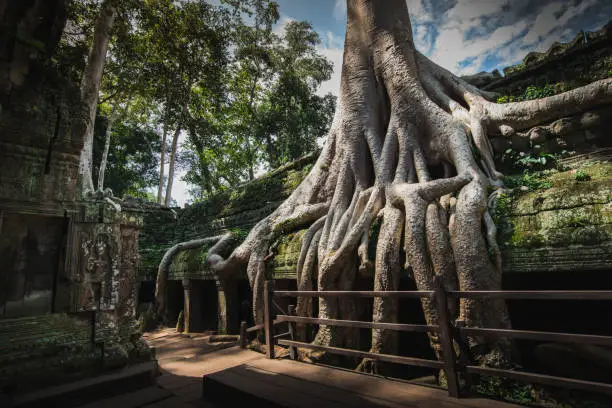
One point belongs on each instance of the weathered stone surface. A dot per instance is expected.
(565, 227)
(235, 210)
(104, 265)
(84, 254)
(482, 78)
(284, 264)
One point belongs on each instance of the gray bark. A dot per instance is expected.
(160, 188)
(162, 270)
(177, 133)
(90, 89)
(107, 139)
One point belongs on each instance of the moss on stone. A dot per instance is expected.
(235, 210)
(284, 264)
(569, 212)
(189, 263)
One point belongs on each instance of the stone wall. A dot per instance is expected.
(563, 67)
(103, 265)
(60, 255)
(235, 210)
(565, 225)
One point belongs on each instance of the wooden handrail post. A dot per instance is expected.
(243, 334)
(465, 356)
(92, 329)
(446, 341)
(269, 317)
(292, 349)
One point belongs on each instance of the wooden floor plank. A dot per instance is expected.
(295, 392)
(136, 399)
(236, 373)
(370, 387)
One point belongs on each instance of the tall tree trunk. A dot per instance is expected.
(90, 89)
(410, 139)
(107, 139)
(171, 165)
(160, 188)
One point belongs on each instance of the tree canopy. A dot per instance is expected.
(226, 93)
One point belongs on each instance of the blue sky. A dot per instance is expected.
(464, 36)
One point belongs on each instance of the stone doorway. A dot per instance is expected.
(32, 253)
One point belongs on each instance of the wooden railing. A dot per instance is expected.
(448, 333)
(90, 317)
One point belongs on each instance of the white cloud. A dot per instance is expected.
(279, 28)
(180, 188)
(418, 12)
(473, 31)
(550, 21)
(340, 10)
(333, 50)
(451, 48)
(333, 85)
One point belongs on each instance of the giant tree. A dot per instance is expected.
(90, 89)
(409, 144)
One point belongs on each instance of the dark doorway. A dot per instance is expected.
(245, 299)
(30, 251)
(206, 291)
(176, 300)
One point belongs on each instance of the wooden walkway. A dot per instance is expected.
(226, 376)
(286, 383)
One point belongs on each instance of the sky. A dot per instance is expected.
(463, 36)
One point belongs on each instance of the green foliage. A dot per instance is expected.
(133, 160)
(244, 95)
(581, 175)
(504, 389)
(239, 233)
(503, 206)
(514, 69)
(531, 180)
(270, 113)
(531, 161)
(533, 92)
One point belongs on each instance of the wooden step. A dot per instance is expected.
(284, 383)
(135, 399)
(90, 389)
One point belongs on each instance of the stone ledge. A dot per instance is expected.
(567, 259)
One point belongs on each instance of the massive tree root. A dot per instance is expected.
(409, 143)
(219, 243)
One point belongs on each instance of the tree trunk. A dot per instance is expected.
(90, 89)
(164, 265)
(109, 131)
(160, 189)
(171, 165)
(401, 119)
